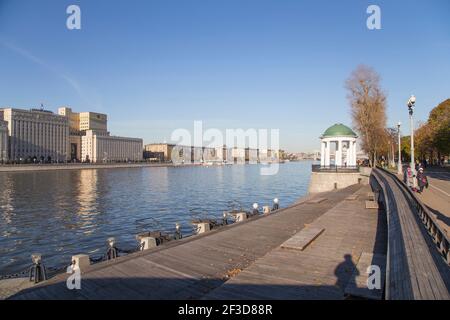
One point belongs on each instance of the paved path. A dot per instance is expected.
(324, 268)
(192, 267)
(437, 196)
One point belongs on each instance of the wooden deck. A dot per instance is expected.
(192, 268)
(324, 268)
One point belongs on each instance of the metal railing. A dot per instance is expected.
(437, 233)
(399, 285)
(332, 168)
(113, 251)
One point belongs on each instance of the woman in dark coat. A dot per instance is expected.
(422, 180)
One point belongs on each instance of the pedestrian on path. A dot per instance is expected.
(422, 180)
(408, 177)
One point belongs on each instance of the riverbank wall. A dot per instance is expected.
(327, 181)
(79, 166)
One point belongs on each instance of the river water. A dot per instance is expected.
(62, 213)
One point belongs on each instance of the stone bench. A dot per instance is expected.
(302, 238)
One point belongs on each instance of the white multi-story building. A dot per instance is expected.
(99, 146)
(3, 141)
(79, 123)
(36, 134)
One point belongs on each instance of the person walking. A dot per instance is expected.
(422, 180)
(408, 176)
(418, 165)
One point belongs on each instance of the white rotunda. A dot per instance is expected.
(345, 147)
(338, 168)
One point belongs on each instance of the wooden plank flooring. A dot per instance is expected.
(324, 268)
(191, 267)
(357, 286)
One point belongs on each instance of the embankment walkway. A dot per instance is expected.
(219, 263)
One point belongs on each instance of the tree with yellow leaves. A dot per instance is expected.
(368, 109)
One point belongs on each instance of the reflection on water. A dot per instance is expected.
(62, 213)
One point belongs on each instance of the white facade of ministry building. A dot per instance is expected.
(3, 141)
(345, 146)
(98, 146)
(36, 133)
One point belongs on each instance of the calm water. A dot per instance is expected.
(61, 213)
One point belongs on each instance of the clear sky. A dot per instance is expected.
(157, 65)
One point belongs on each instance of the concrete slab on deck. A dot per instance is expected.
(302, 239)
(370, 204)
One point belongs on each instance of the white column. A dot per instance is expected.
(354, 152)
(322, 153)
(327, 153)
(338, 155)
(350, 154)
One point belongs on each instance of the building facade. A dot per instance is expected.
(184, 154)
(192, 154)
(3, 141)
(79, 123)
(93, 121)
(36, 135)
(99, 146)
(158, 151)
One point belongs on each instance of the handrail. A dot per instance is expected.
(386, 205)
(439, 236)
(333, 168)
(413, 281)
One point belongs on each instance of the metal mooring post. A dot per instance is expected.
(37, 270)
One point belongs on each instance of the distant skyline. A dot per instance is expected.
(156, 66)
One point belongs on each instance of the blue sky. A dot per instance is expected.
(157, 65)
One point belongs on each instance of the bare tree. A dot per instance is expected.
(368, 109)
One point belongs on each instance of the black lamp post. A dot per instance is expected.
(411, 103)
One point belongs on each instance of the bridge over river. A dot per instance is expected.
(318, 248)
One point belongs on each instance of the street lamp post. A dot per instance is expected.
(399, 163)
(411, 103)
